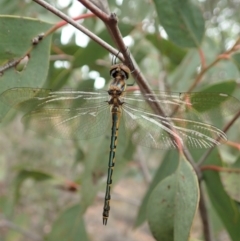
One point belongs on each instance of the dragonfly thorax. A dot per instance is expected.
(115, 97)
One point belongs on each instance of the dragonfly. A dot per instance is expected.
(70, 114)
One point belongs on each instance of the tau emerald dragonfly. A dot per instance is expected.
(88, 114)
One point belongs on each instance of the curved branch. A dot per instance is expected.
(77, 26)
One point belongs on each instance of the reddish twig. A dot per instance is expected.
(234, 144)
(202, 58)
(225, 55)
(63, 23)
(220, 169)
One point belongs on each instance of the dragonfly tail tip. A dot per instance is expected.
(104, 221)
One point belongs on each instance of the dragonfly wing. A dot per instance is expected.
(160, 132)
(64, 123)
(201, 104)
(15, 96)
(64, 114)
(31, 98)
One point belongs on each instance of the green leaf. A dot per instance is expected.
(216, 96)
(26, 174)
(179, 79)
(231, 180)
(167, 48)
(236, 59)
(226, 208)
(182, 20)
(21, 99)
(226, 87)
(224, 70)
(173, 204)
(231, 185)
(166, 168)
(69, 226)
(127, 8)
(16, 34)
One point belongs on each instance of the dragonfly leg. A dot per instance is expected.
(111, 163)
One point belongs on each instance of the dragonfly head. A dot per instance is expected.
(119, 74)
(120, 70)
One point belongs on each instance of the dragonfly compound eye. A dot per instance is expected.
(114, 73)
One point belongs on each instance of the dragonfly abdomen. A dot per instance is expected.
(116, 115)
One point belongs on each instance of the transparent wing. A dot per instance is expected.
(32, 98)
(85, 114)
(81, 123)
(156, 131)
(63, 114)
(200, 104)
(194, 116)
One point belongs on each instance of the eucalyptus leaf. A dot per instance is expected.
(182, 20)
(173, 204)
